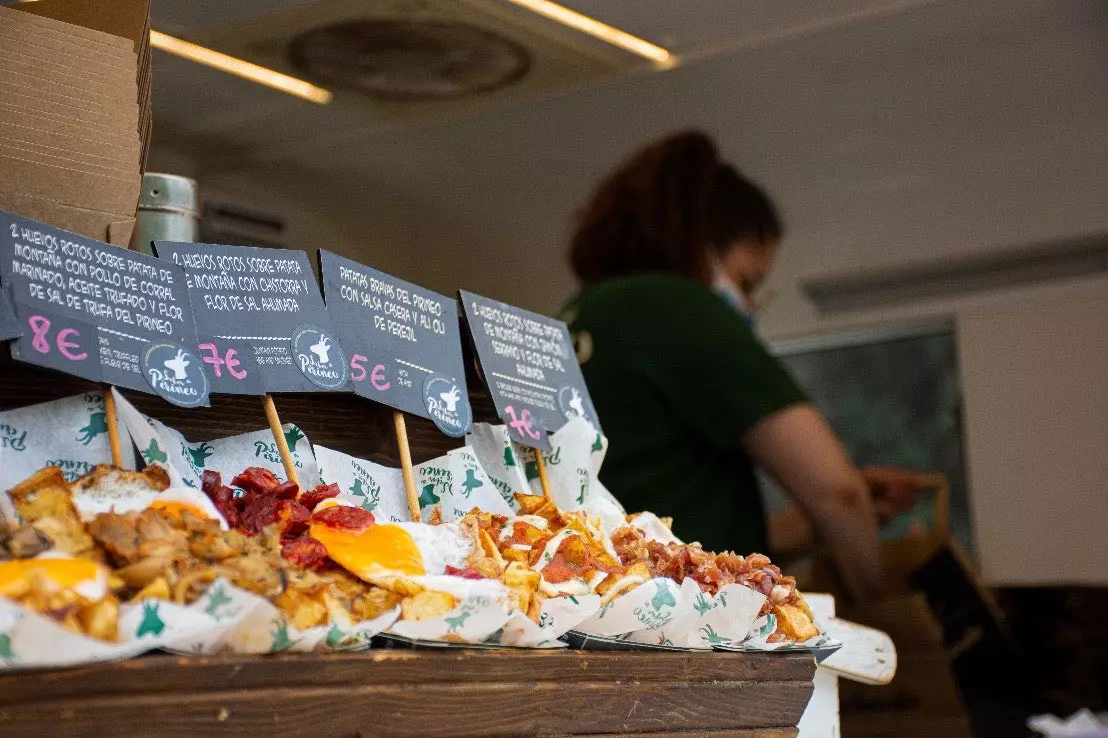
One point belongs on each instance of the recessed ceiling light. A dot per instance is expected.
(602, 31)
(240, 67)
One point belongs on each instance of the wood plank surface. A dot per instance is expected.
(415, 693)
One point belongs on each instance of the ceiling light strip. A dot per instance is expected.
(602, 31)
(240, 68)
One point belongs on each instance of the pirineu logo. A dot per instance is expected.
(165, 366)
(447, 405)
(319, 357)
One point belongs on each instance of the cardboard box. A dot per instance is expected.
(75, 116)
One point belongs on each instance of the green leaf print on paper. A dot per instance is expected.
(200, 454)
(471, 483)
(598, 444)
(335, 636)
(768, 627)
(509, 457)
(427, 497)
(662, 597)
(217, 598)
(97, 426)
(292, 435)
(151, 622)
(701, 603)
(455, 623)
(154, 454)
(281, 640)
(6, 653)
(369, 501)
(711, 637)
(531, 470)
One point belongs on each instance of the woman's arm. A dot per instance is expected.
(798, 449)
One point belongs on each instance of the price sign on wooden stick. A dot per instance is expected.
(405, 350)
(262, 325)
(100, 312)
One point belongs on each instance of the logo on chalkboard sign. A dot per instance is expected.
(447, 405)
(571, 403)
(319, 357)
(175, 375)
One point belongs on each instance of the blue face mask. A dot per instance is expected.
(731, 294)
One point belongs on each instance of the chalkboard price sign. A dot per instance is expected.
(100, 312)
(9, 325)
(529, 366)
(404, 342)
(261, 322)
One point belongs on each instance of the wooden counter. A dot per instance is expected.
(387, 692)
(415, 693)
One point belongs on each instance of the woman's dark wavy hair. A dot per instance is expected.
(665, 208)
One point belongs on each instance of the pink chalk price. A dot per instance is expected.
(522, 424)
(210, 355)
(376, 376)
(40, 335)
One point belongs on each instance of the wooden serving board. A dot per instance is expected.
(415, 693)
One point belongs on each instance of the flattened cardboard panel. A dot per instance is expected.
(50, 155)
(70, 83)
(67, 142)
(92, 223)
(69, 187)
(61, 18)
(45, 100)
(48, 50)
(13, 114)
(62, 46)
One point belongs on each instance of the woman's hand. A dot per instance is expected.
(893, 490)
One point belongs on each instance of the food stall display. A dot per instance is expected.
(211, 549)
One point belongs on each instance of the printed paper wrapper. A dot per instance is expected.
(226, 618)
(483, 610)
(559, 615)
(764, 627)
(498, 457)
(455, 484)
(250, 624)
(71, 433)
(186, 462)
(373, 487)
(573, 462)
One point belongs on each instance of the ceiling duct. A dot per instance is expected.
(409, 58)
(952, 277)
(237, 225)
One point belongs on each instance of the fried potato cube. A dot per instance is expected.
(538, 505)
(49, 476)
(795, 623)
(101, 619)
(374, 603)
(522, 584)
(46, 502)
(534, 611)
(158, 588)
(517, 555)
(305, 609)
(427, 605)
(488, 546)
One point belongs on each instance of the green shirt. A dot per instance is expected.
(678, 378)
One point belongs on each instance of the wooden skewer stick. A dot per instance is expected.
(540, 465)
(113, 426)
(406, 464)
(279, 436)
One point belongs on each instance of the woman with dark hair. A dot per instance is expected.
(669, 251)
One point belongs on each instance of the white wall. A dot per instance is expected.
(1034, 373)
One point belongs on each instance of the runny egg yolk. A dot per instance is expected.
(62, 573)
(173, 508)
(382, 550)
